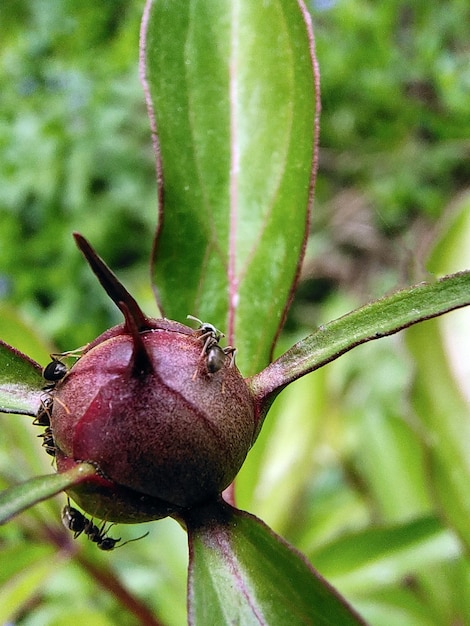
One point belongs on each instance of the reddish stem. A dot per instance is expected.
(105, 578)
(113, 585)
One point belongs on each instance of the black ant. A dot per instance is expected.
(53, 372)
(48, 443)
(57, 370)
(207, 332)
(78, 524)
(43, 416)
(215, 355)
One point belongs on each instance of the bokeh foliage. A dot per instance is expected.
(341, 468)
(75, 149)
(75, 154)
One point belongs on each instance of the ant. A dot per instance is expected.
(77, 522)
(56, 370)
(48, 443)
(208, 333)
(52, 373)
(215, 355)
(43, 416)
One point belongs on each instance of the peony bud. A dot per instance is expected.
(166, 424)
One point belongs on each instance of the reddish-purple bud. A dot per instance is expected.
(144, 405)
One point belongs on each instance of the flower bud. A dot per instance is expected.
(166, 424)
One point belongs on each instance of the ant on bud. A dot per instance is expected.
(76, 522)
(215, 355)
(52, 373)
(48, 443)
(43, 416)
(207, 332)
(56, 370)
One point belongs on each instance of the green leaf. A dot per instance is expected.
(380, 556)
(451, 252)
(440, 389)
(20, 382)
(241, 572)
(232, 88)
(444, 415)
(22, 496)
(372, 321)
(452, 249)
(445, 588)
(386, 443)
(398, 606)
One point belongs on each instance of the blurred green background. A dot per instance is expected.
(344, 468)
(76, 153)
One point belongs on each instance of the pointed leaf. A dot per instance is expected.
(22, 496)
(372, 321)
(232, 88)
(242, 573)
(20, 382)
